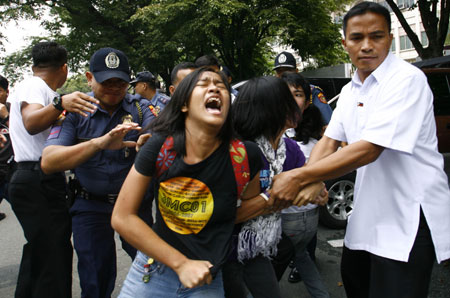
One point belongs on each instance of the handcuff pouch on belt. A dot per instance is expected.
(73, 189)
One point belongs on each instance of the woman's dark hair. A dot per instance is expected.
(4, 83)
(297, 80)
(171, 120)
(263, 107)
(311, 124)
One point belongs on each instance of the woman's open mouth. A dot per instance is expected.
(213, 105)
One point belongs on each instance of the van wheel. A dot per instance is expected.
(340, 202)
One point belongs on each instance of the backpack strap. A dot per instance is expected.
(238, 155)
(241, 168)
(165, 157)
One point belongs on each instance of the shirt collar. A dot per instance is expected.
(154, 99)
(383, 68)
(125, 104)
(379, 73)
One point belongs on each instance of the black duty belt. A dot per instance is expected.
(28, 165)
(108, 198)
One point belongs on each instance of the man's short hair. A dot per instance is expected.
(48, 54)
(4, 83)
(365, 7)
(207, 60)
(178, 67)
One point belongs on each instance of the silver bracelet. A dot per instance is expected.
(265, 197)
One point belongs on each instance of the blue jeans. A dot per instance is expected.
(301, 228)
(164, 282)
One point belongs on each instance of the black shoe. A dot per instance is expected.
(291, 264)
(294, 276)
(2, 216)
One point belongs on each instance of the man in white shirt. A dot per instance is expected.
(38, 200)
(400, 223)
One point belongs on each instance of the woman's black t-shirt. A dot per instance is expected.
(196, 203)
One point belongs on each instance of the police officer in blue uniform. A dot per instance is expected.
(100, 148)
(319, 100)
(285, 61)
(145, 86)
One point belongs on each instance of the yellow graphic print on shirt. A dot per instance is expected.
(186, 204)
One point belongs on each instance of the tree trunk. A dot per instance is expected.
(435, 28)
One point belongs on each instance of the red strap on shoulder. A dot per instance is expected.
(165, 157)
(239, 160)
(238, 155)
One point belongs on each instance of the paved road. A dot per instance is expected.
(328, 257)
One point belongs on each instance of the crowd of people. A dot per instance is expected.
(236, 176)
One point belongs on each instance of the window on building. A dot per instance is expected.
(405, 43)
(338, 19)
(405, 3)
(424, 39)
(393, 45)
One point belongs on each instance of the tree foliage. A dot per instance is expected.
(241, 33)
(82, 26)
(158, 34)
(436, 25)
(311, 34)
(76, 82)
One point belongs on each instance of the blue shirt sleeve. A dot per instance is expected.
(324, 108)
(63, 132)
(147, 115)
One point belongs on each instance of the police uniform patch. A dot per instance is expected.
(322, 97)
(154, 110)
(56, 128)
(164, 100)
(112, 60)
(54, 132)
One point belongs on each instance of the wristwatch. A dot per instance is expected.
(57, 102)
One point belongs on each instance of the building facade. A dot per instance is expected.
(402, 46)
